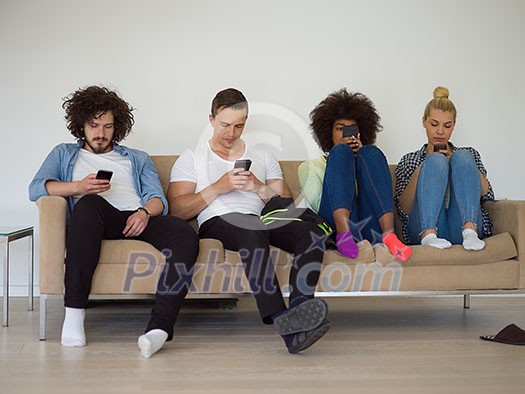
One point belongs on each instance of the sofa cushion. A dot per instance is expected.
(164, 165)
(130, 251)
(131, 266)
(366, 255)
(281, 258)
(289, 168)
(498, 247)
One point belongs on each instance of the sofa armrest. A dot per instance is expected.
(52, 222)
(509, 216)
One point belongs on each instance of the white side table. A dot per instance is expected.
(8, 235)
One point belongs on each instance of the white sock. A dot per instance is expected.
(432, 240)
(151, 342)
(73, 333)
(471, 240)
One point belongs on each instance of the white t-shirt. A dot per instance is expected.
(122, 194)
(203, 167)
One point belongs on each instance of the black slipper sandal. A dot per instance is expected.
(312, 337)
(512, 335)
(304, 317)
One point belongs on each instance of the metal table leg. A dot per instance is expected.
(5, 312)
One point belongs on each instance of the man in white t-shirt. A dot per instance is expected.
(130, 206)
(228, 201)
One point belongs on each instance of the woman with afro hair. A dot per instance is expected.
(350, 186)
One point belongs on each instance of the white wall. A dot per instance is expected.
(168, 59)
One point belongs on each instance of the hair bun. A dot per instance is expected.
(441, 92)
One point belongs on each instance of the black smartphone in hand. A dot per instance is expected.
(350, 131)
(440, 147)
(104, 174)
(242, 163)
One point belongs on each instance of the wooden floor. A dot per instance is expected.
(376, 345)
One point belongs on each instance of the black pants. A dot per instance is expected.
(248, 235)
(93, 220)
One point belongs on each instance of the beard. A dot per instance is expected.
(99, 145)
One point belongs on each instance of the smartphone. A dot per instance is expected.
(103, 174)
(440, 147)
(242, 163)
(350, 131)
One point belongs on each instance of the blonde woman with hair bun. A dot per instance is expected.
(441, 188)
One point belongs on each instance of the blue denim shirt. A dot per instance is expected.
(58, 166)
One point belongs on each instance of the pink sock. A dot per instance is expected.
(396, 247)
(346, 245)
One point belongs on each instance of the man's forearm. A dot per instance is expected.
(267, 191)
(190, 205)
(62, 189)
(154, 206)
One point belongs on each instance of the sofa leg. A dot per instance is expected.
(466, 301)
(43, 304)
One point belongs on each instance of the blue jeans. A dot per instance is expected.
(461, 175)
(362, 184)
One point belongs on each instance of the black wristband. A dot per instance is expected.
(145, 210)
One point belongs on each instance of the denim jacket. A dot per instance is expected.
(58, 166)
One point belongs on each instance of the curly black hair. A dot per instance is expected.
(343, 105)
(86, 104)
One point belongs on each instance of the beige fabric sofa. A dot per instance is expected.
(130, 268)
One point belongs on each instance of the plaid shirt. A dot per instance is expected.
(411, 161)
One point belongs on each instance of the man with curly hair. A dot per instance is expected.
(130, 206)
(350, 185)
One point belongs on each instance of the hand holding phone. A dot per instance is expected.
(350, 131)
(245, 164)
(104, 174)
(439, 148)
